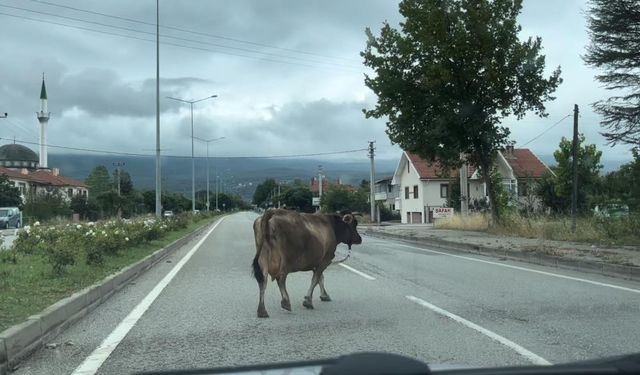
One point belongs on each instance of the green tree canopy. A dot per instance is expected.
(9, 194)
(555, 191)
(298, 197)
(447, 78)
(99, 181)
(614, 29)
(340, 197)
(126, 183)
(263, 192)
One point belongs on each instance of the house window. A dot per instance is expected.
(389, 188)
(406, 192)
(70, 192)
(408, 168)
(23, 187)
(415, 191)
(523, 189)
(444, 190)
(84, 193)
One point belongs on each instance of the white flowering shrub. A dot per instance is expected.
(64, 245)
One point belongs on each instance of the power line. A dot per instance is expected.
(26, 131)
(307, 60)
(194, 32)
(171, 44)
(546, 130)
(108, 152)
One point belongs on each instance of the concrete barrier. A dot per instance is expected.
(21, 340)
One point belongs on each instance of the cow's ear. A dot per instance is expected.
(347, 218)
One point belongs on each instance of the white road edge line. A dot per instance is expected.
(532, 357)
(357, 272)
(92, 363)
(526, 269)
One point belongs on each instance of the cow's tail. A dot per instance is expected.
(265, 236)
(257, 271)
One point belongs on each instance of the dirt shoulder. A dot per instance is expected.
(624, 255)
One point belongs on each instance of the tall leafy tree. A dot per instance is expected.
(99, 181)
(298, 197)
(126, 183)
(614, 29)
(9, 194)
(341, 197)
(556, 191)
(263, 191)
(451, 73)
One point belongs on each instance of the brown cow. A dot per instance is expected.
(287, 241)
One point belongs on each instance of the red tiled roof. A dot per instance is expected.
(525, 163)
(46, 177)
(432, 171)
(13, 173)
(43, 177)
(314, 185)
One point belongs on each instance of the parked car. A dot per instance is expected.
(168, 213)
(10, 217)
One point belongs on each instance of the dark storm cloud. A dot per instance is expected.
(101, 87)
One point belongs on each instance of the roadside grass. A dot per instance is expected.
(28, 285)
(601, 231)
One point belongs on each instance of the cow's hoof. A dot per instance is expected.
(307, 303)
(325, 298)
(285, 305)
(262, 313)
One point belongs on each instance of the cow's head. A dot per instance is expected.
(350, 235)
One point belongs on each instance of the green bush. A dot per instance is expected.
(61, 254)
(65, 244)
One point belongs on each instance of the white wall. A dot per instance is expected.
(428, 193)
(410, 179)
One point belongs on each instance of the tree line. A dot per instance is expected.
(104, 201)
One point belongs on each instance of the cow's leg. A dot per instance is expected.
(262, 284)
(282, 284)
(314, 281)
(324, 296)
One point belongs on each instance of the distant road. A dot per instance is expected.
(389, 296)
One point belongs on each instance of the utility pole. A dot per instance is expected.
(158, 192)
(319, 187)
(193, 161)
(574, 152)
(118, 165)
(207, 141)
(464, 191)
(278, 194)
(372, 177)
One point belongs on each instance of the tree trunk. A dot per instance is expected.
(485, 169)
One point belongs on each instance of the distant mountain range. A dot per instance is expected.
(236, 175)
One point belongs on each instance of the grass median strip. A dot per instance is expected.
(28, 284)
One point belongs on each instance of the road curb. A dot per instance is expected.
(601, 268)
(19, 341)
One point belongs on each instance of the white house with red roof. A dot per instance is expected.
(423, 186)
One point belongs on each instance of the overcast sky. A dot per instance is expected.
(304, 96)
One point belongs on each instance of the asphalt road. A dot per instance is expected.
(437, 307)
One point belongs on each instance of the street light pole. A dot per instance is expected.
(193, 161)
(207, 141)
(158, 186)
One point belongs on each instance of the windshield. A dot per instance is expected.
(210, 183)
